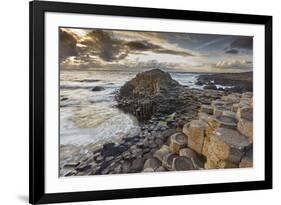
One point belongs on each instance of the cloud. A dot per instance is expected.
(209, 43)
(67, 44)
(100, 43)
(238, 64)
(173, 52)
(232, 51)
(110, 47)
(142, 45)
(245, 42)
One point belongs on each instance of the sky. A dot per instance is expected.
(100, 49)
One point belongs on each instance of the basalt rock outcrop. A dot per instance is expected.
(214, 140)
(150, 93)
(236, 82)
(225, 136)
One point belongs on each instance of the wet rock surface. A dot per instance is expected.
(97, 88)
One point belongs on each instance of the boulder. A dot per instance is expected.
(218, 103)
(247, 159)
(197, 163)
(221, 164)
(210, 87)
(182, 164)
(247, 95)
(153, 163)
(222, 121)
(206, 144)
(110, 149)
(229, 114)
(218, 110)
(97, 88)
(231, 98)
(226, 145)
(137, 165)
(185, 129)
(148, 170)
(126, 167)
(245, 112)
(207, 109)
(195, 135)
(160, 153)
(177, 141)
(168, 161)
(235, 107)
(160, 169)
(189, 153)
(245, 127)
(245, 102)
(203, 116)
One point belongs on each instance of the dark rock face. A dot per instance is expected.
(111, 149)
(98, 88)
(137, 165)
(149, 83)
(241, 82)
(182, 163)
(149, 93)
(211, 87)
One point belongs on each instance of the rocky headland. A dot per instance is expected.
(181, 129)
(235, 82)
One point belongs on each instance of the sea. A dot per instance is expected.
(90, 117)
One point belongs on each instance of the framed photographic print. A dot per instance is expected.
(140, 102)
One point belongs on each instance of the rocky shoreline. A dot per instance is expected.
(181, 129)
(234, 82)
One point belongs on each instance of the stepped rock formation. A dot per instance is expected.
(213, 140)
(226, 134)
(149, 93)
(148, 83)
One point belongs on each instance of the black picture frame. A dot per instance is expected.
(37, 9)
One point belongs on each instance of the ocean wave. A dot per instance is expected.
(72, 87)
(110, 127)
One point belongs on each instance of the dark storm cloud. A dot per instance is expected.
(103, 45)
(232, 51)
(147, 46)
(142, 46)
(173, 52)
(242, 42)
(67, 45)
(108, 48)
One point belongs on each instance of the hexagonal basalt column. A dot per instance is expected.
(247, 159)
(226, 148)
(195, 135)
(219, 110)
(160, 153)
(182, 164)
(222, 121)
(177, 141)
(245, 127)
(207, 109)
(168, 161)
